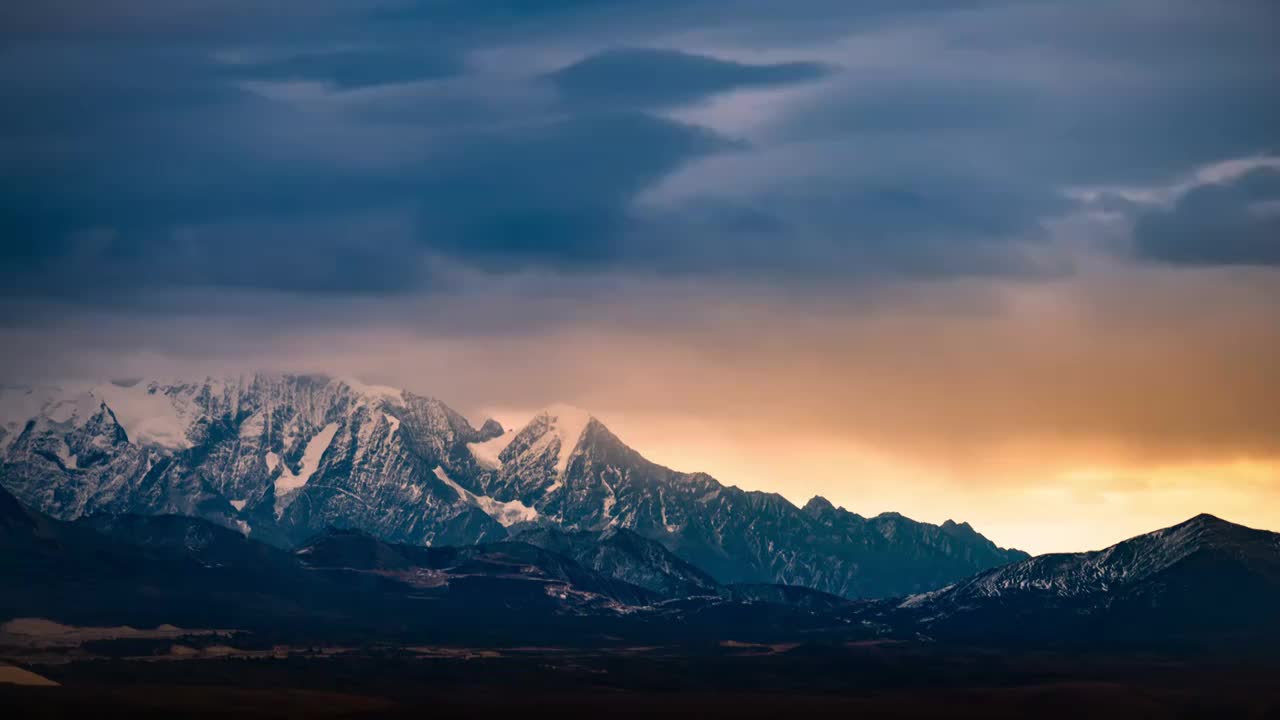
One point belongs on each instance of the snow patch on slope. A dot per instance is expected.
(506, 513)
(46, 406)
(148, 417)
(253, 426)
(486, 453)
(19, 404)
(316, 447)
(74, 408)
(374, 392)
(609, 502)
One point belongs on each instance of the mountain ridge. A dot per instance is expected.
(1202, 583)
(280, 457)
(1204, 575)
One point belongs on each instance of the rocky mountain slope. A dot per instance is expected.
(1204, 583)
(1202, 577)
(346, 586)
(278, 457)
(489, 574)
(281, 457)
(623, 554)
(597, 482)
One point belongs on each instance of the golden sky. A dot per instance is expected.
(1057, 414)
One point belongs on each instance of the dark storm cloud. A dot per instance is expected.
(133, 144)
(554, 194)
(208, 142)
(105, 18)
(846, 228)
(184, 177)
(355, 67)
(639, 77)
(1232, 223)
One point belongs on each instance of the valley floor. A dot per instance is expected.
(737, 680)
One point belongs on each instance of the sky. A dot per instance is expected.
(1015, 262)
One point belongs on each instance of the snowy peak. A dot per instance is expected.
(566, 423)
(275, 455)
(169, 414)
(281, 456)
(374, 393)
(488, 453)
(551, 436)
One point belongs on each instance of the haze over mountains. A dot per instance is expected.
(282, 457)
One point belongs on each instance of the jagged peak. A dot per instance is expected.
(564, 423)
(818, 504)
(568, 423)
(384, 392)
(489, 430)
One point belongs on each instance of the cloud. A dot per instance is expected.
(648, 78)
(354, 67)
(553, 194)
(1229, 223)
(875, 142)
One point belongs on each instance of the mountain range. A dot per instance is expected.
(1203, 583)
(280, 458)
(305, 505)
(148, 570)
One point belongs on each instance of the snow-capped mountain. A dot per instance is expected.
(281, 457)
(735, 535)
(1203, 574)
